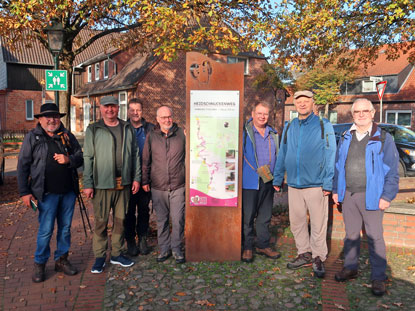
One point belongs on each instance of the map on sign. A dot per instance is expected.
(56, 80)
(214, 136)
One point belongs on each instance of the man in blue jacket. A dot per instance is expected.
(307, 154)
(365, 193)
(260, 147)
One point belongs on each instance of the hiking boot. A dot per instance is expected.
(268, 252)
(38, 272)
(302, 260)
(143, 246)
(247, 256)
(132, 248)
(318, 268)
(163, 256)
(99, 265)
(63, 265)
(121, 261)
(179, 257)
(345, 274)
(378, 287)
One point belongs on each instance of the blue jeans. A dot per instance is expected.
(59, 207)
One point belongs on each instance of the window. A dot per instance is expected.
(234, 60)
(369, 86)
(293, 115)
(332, 116)
(106, 69)
(29, 109)
(89, 71)
(96, 71)
(122, 100)
(399, 117)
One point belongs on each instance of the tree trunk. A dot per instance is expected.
(65, 97)
(326, 111)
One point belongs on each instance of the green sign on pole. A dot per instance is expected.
(56, 80)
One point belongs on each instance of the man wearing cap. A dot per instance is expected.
(307, 155)
(48, 159)
(111, 172)
(138, 214)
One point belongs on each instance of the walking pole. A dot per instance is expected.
(85, 211)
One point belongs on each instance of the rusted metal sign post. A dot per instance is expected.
(214, 109)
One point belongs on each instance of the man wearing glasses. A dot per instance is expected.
(164, 173)
(46, 179)
(366, 180)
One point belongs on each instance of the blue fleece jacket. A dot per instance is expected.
(250, 178)
(381, 165)
(307, 158)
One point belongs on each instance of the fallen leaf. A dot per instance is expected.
(204, 303)
(53, 290)
(175, 299)
(398, 304)
(261, 283)
(6, 278)
(60, 276)
(21, 299)
(338, 306)
(367, 285)
(411, 268)
(166, 301)
(82, 286)
(307, 295)
(181, 294)
(140, 308)
(130, 293)
(384, 306)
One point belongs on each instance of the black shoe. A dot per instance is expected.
(345, 274)
(302, 260)
(132, 248)
(63, 265)
(38, 272)
(179, 257)
(163, 256)
(378, 287)
(318, 268)
(143, 246)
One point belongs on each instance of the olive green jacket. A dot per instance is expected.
(99, 157)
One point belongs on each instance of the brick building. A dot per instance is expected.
(398, 99)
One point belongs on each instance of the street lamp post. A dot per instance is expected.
(55, 34)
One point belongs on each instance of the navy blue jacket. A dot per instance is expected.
(382, 177)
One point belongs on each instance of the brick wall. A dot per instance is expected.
(399, 229)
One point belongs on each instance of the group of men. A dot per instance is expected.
(125, 164)
(126, 160)
(361, 173)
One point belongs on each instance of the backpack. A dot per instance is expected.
(321, 128)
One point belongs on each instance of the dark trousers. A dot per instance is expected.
(138, 215)
(257, 204)
(354, 215)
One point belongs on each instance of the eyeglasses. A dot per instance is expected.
(358, 112)
(165, 118)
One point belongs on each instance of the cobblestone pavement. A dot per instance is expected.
(264, 284)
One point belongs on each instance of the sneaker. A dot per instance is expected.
(318, 268)
(132, 248)
(378, 287)
(122, 261)
(345, 274)
(179, 257)
(163, 256)
(99, 265)
(302, 260)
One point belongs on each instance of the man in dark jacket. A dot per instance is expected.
(366, 180)
(46, 168)
(164, 171)
(260, 150)
(137, 225)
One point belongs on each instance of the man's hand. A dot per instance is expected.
(61, 158)
(26, 199)
(277, 188)
(326, 193)
(146, 188)
(89, 193)
(383, 204)
(335, 197)
(135, 187)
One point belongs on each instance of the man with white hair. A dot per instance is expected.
(365, 193)
(164, 171)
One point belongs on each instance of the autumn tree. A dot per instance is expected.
(347, 31)
(325, 82)
(163, 27)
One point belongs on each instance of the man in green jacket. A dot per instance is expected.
(111, 169)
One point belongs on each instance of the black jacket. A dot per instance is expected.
(32, 160)
(164, 158)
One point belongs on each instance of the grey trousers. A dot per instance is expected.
(169, 204)
(354, 215)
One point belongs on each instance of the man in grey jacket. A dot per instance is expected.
(111, 171)
(164, 171)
